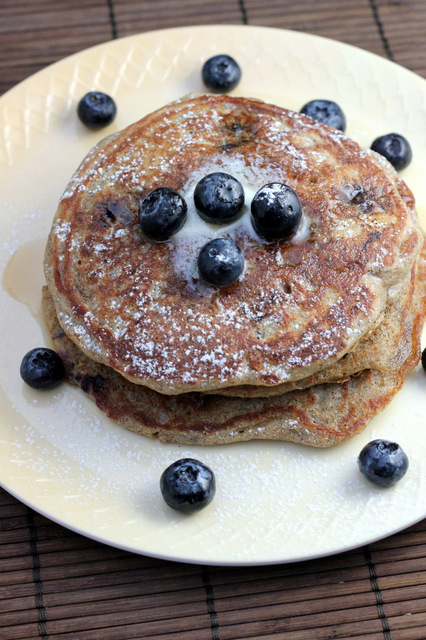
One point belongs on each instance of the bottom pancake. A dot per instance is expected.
(321, 415)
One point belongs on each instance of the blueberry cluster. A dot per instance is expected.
(394, 147)
(189, 485)
(219, 199)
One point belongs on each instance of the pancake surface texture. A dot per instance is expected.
(322, 415)
(138, 307)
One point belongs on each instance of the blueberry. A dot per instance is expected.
(325, 111)
(220, 262)
(383, 462)
(276, 211)
(162, 213)
(424, 359)
(96, 110)
(42, 368)
(221, 73)
(219, 197)
(188, 485)
(395, 148)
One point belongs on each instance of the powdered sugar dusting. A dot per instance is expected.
(296, 304)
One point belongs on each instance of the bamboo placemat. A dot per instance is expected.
(33, 35)
(57, 584)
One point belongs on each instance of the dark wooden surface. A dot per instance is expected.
(57, 584)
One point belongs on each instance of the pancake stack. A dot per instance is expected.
(312, 340)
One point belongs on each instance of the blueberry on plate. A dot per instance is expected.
(325, 111)
(162, 213)
(219, 197)
(42, 368)
(221, 73)
(188, 485)
(383, 462)
(276, 211)
(96, 110)
(220, 262)
(424, 359)
(395, 148)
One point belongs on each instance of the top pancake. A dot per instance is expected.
(138, 306)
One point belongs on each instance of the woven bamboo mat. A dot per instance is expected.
(33, 35)
(59, 585)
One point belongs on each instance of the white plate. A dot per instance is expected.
(275, 502)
